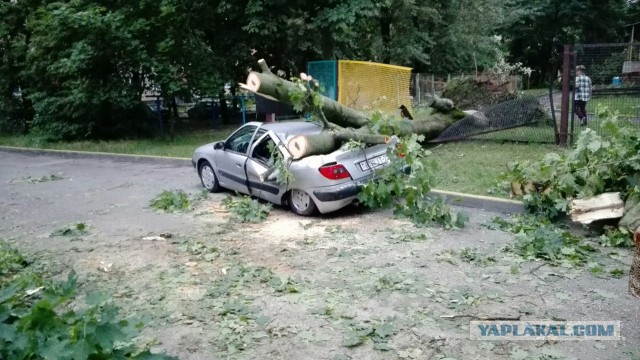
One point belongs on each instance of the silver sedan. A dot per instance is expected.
(323, 183)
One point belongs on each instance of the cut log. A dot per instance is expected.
(603, 206)
(328, 141)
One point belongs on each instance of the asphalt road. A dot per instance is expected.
(112, 197)
(89, 190)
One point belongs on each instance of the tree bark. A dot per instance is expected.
(327, 141)
(272, 86)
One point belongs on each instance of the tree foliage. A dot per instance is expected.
(536, 30)
(76, 69)
(607, 162)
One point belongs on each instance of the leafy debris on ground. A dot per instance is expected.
(38, 321)
(171, 201)
(77, 229)
(37, 180)
(247, 209)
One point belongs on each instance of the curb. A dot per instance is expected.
(453, 198)
(97, 155)
(481, 202)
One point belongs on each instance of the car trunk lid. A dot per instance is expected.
(362, 163)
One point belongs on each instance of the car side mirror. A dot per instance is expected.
(218, 146)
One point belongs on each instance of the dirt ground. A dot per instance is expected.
(353, 285)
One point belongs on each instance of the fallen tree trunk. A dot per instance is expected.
(338, 120)
(269, 85)
(279, 89)
(327, 141)
(634, 274)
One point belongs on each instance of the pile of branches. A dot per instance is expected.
(597, 181)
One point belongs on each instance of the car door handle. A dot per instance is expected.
(238, 165)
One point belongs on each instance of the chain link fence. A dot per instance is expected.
(614, 70)
(521, 117)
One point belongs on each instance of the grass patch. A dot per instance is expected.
(626, 105)
(537, 134)
(181, 146)
(474, 166)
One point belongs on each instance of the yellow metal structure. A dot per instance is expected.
(373, 86)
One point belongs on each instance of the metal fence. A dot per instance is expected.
(527, 117)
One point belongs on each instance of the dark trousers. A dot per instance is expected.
(580, 108)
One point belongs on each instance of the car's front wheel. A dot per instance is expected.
(208, 177)
(301, 203)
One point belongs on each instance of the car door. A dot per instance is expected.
(230, 162)
(261, 184)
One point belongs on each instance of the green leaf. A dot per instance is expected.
(108, 334)
(81, 350)
(384, 330)
(96, 298)
(594, 145)
(617, 273)
(382, 346)
(8, 332)
(352, 339)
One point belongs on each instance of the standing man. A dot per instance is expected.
(582, 94)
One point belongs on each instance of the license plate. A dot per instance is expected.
(374, 162)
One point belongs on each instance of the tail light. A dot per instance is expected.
(334, 172)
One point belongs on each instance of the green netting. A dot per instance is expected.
(326, 72)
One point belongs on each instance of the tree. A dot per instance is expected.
(537, 29)
(80, 79)
(88, 83)
(466, 36)
(16, 111)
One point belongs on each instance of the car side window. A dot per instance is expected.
(239, 142)
(261, 152)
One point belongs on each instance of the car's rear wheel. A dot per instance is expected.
(208, 177)
(301, 203)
